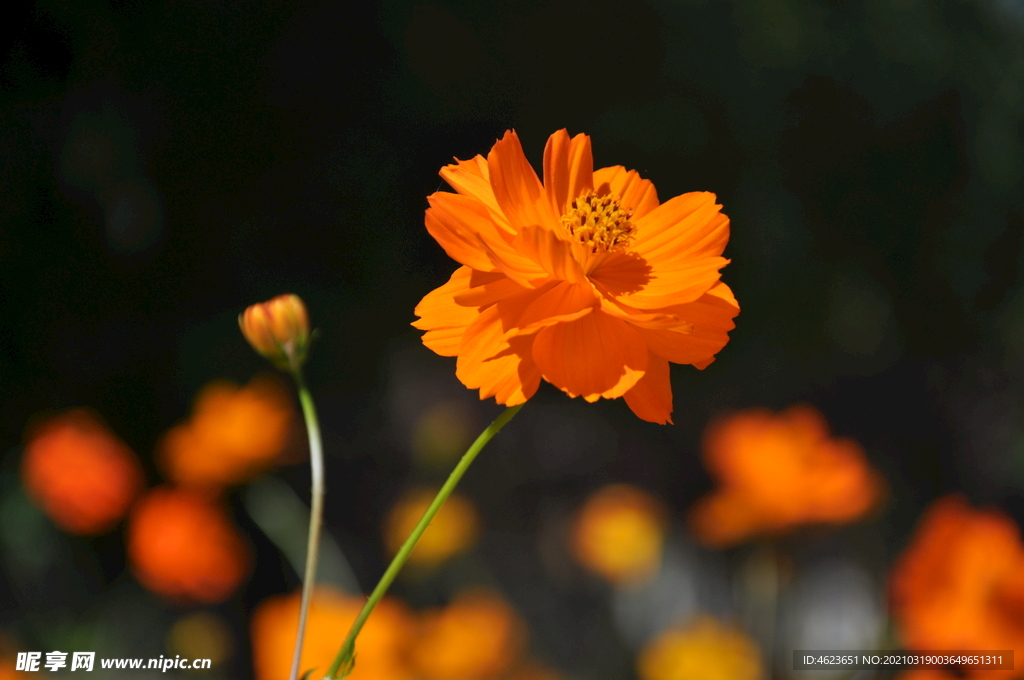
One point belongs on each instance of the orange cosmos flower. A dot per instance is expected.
(182, 545)
(476, 637)
(960, 582)
(620, 532)
(779, 471)
(234, 433)
(82, 475)
(383, 643)
(585, 280)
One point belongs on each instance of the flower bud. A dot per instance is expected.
(278, 329)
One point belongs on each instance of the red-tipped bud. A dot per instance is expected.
(278, 329)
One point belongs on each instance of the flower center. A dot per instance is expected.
(599, 223)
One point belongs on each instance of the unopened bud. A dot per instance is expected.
(278, 329)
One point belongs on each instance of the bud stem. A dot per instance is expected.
(316, 464)
(345, 659)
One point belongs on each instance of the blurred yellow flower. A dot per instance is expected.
(619, 533)
(476, 637)
(778, 471)
(80, 473)
(704, 649)
(200, 635)
(453, 530)
(384, 642)
(234, 433)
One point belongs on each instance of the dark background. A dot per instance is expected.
(165, 164)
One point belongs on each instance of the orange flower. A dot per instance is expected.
(278, 329)
(704, 649)
(234, 434)
(82, 475)
(960, 582)
(476, 637)
(453, 529)
(620, 532)
(779, 471)
(183, 545)
(584, 280)
(383, 643)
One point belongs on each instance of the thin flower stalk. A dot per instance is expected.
(344, 662)
(316, 464)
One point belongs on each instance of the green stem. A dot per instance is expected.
(316, 464)
(345, 659)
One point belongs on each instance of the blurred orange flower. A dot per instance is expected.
(80, 473)
(779, 471)
(619, 533)
(960, 582)
(454, 528)
(182, 545)
(585, 280)
(704, 649)
(476, 637)
(234, 433)
(383, 651)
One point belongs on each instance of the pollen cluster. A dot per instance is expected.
(599, 222)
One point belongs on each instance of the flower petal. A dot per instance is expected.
(471, 178)
(516, 187)
(553, 254)
(456, 222)
(445, 320)
(486, 288)
(684, 227)
(568, 169)
(594, 356)
(658, 320)
(676, 283)
(711, 317)
(560, 303)
(681, 241)
(497, 367)
(515, 265)
(622, 273)
(636, 193)
(651, 398)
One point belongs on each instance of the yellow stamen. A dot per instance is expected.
(599, 223)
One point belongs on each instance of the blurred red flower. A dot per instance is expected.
(80, 473)
(778, 471)
(960, 582)
(182, 545)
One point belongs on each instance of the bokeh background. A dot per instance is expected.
(165, 164)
